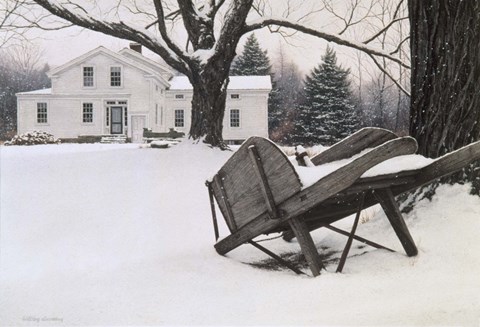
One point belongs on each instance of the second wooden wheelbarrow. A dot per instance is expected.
(259, 191)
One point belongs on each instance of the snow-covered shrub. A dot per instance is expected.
(33, 138)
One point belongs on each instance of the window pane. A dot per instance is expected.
(179, 96)
(42, 113)
(88, 76)
(115, 76)
(234, 118)
(234, 96)
(179, 118)
(88, 112)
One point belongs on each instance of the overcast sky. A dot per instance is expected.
(61, 46)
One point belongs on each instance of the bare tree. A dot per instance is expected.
(210, 49)
(21, 69)
(289, 85)
(8, 33)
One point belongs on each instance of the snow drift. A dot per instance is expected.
(114, 234)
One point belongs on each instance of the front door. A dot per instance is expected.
(117, 120)
(138, 124)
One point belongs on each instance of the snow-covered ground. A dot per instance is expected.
(118, 235)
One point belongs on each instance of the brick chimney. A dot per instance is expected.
(136, 47)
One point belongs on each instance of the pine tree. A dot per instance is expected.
(328, 114)
(253, 61)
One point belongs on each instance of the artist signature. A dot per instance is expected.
(42, 319)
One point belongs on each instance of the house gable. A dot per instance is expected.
(160, 69)
(95, 52)
(102, 64)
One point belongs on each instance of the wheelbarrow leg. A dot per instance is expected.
(299, 228)
(387, 201)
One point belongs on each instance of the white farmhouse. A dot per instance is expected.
(106, 93)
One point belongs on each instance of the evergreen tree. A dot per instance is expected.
(328, 114)
(253, 61)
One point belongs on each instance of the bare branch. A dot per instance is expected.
(389, 75)
(335, 38)
(383, 30)
(121, 30)
(399, 47)
(162, 28)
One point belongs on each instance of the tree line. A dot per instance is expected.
(21, 70)
(324, 106)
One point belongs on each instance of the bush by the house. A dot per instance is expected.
(33, 138)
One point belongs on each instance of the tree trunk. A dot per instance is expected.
(445, 80)
(208, 107)
(445, 51)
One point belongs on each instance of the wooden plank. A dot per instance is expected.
(325, 188)
(305, 240)
(263, 182)
(368, 137)
(384, 181)
(224, 199)
(387, 201)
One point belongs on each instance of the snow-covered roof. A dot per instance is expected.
(236, 83)
(41, 91)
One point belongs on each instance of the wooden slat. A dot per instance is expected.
(305, 240)
(212, 208)
(301, 202)
(224, 200)
(387, 201)
(263, 182)
(368, 137)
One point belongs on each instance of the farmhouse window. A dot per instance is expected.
(42, 117)
(115, 76)
(234, 118)
(87, 112)
(88, 76)
(235, 96)
(179, 96)
(179, 118)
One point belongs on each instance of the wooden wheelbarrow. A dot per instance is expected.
(259, 191)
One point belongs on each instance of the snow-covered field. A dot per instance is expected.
(118, 235)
